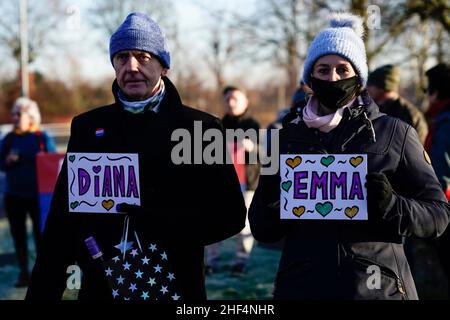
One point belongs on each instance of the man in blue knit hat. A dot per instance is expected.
(178, 216)
(140, 42)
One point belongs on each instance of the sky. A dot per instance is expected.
(82, 54)
(81, 51)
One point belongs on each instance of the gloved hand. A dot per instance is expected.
(130, 209)
(379, 192)
(270, 194)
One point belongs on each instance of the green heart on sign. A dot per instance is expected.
(326, 161)
(286, 185)
(324, 208)
(72, 158)
(74, 204)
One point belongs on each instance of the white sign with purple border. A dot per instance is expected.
(323, 187)
(97, 182)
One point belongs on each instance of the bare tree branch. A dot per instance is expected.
(42, 20)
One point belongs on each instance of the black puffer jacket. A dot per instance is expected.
(330, 259)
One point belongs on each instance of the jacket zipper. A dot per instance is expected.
(354, 134)
(367, 124)
(338, 260)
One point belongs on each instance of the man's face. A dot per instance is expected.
(235, 102)
(137, 73)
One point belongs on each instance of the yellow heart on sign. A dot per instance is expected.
(108, 204)
(356, 161)
(294, 162)
(351, 212)
(298, 211)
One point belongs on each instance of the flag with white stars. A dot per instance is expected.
(141, 275)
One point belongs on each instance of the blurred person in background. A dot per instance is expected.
(438, 142)
(237, 116)
(383, 86)
(18, 160)
(298, 100)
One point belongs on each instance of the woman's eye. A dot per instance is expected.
(342, 70)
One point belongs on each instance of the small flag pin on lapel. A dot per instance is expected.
(99, 132)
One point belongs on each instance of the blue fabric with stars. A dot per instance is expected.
(141, 275)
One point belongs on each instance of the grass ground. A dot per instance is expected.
(8, 269)
(256, 283)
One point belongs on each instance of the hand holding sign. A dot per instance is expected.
(379, 191)
(323, 187)
(98, 181)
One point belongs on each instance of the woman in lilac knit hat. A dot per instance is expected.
(341, 258)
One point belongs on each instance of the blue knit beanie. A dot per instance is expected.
(343, 38)
(140, 32)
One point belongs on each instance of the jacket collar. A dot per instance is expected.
(356, 122)
(364, 103)
(169, 106)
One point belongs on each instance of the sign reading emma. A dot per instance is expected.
(323, 187)
(99, 181)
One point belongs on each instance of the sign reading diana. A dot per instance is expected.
(99, 181)
(323, 187)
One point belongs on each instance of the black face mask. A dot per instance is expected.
(335, 94)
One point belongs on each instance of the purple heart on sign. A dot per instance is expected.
(96, 169)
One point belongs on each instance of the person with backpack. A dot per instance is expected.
(18, 160)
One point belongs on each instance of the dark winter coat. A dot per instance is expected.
(440, 148)
(21, 178)
(440, 158)
(406, 111)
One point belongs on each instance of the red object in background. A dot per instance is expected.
(48, 166)
(238, 153)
